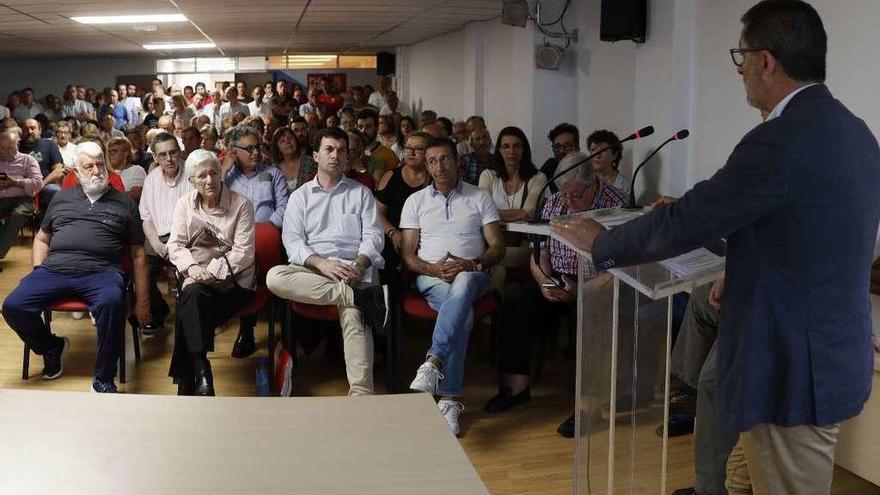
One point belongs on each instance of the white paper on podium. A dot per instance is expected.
(612, 217)
(689, 264)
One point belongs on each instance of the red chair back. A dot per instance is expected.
(267, 248)
(70, 181)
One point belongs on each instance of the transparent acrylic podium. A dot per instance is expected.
(623, 349)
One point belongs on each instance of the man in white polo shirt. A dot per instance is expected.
(451, 237)
(163, 186)
(334, 240)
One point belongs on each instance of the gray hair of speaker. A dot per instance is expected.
(585, 170)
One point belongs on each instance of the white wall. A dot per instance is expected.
(436, 77)
(47, 76)
(681, 78)
(721, 113)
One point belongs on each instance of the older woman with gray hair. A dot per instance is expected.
(212, 247)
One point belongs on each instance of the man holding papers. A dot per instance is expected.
(799, 202)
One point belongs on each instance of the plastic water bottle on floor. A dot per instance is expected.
(263, 377)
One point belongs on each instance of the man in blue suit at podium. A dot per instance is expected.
(799, 203)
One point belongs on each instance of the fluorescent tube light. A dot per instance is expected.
(130, 19)
(186, 45)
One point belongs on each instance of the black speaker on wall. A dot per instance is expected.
(624, 20)
(385, 63)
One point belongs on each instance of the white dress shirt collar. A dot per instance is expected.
(780, 107)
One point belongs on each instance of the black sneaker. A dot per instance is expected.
(53, 359)
(371, 301)
(505, 400)
(104, 386)
(566, 429)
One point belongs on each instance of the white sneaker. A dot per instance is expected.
(78, 315)
(427, 378)
(450, 410)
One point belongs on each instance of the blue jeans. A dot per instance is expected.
(104, 296)
(454, 305)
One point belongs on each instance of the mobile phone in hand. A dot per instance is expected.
(3, 176)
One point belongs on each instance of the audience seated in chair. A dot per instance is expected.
(395, 187)
(88, 228)
(20, 181)
(164, 185)
(334, 242)
(451, 237)
(514, 184)
(535, 306)
(264, 186)
(48, 154)
(211, 245)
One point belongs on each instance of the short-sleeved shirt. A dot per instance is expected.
(563, 259)
(449, 224)
(89, 237)
(75, 108)
(45, 152)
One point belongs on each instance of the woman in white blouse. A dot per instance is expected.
(515, 185)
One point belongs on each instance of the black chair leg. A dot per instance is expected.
(395, 336)
(122, 359)
(25, 362)
(135, 334)
(271, 344)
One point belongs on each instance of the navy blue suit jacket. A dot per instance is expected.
(799, 203)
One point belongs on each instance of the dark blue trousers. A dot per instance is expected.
(103, 292)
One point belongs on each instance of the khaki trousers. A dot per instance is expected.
(304, 285)
(779, 460)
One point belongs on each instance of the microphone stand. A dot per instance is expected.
(631, 205)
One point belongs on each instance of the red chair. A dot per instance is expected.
(267, 251)
(414, 305)
(115, 179)
(316, 312)
(78, 305)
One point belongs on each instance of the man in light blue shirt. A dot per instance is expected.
(334, 242)
(263, 185)
(451, 237)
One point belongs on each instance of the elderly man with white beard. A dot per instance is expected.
(78, 252)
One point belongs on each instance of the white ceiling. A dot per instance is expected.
(42, 28)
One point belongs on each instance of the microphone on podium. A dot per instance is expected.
(678, 136)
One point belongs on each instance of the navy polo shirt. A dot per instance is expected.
(90, 237)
